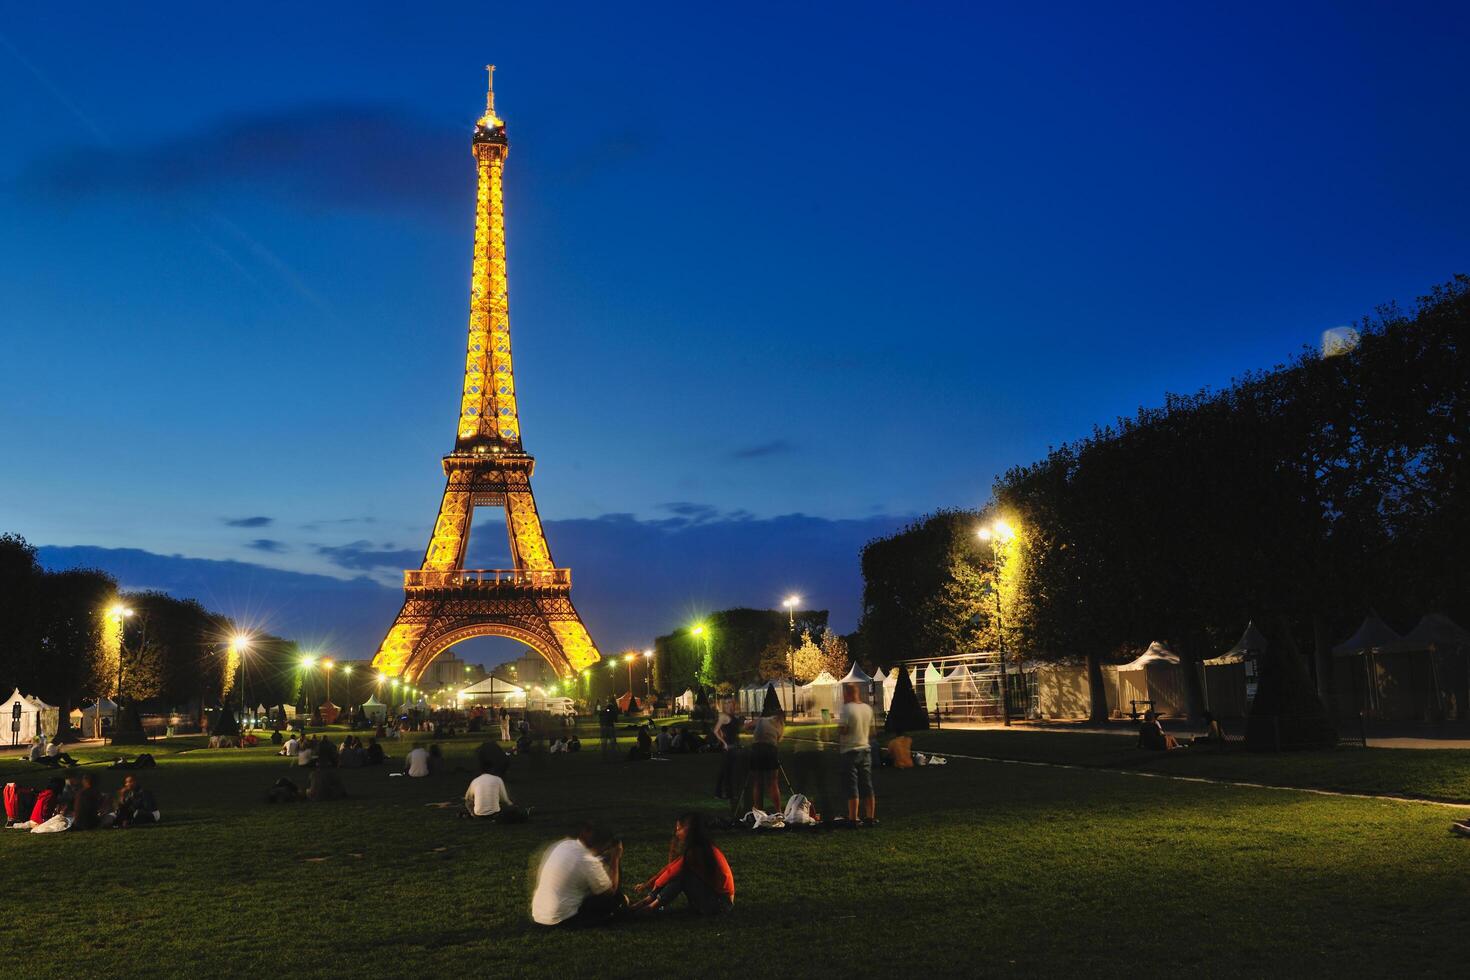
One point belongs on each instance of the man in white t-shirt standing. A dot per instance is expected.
(854, 729)
(577, 883)
(417, 762)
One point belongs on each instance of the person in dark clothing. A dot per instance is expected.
(135, 805)
(276, 737)
(86, 807)
(375, 755)
(492, 758)
(643, 750)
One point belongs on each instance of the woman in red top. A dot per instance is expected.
(696, 868)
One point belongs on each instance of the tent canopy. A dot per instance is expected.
(1434, 632)
(1373, 635)
(1156, 655)
(1251, 643)
(857, 675)
(821, 680)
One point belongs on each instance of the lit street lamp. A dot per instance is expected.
(648, 674)
(327, 666)
(790, 603)
(118, 613)
(239, 646)
(1000, 532)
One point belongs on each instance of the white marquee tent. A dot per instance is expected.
(859, 677)
(822, 692)
(685, 701)
(23, 717)
(958, 691)
(492, 691)
(1155, 676)
(933, 679)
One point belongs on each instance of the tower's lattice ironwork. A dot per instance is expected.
(444, 602)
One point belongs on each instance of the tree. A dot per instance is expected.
(922, 588)
(73, 616)
(904, 712)
(20, 641)
(807, 660)
(834, 654)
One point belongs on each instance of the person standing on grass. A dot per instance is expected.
(504, 724)
(765, 762)
(727, 733)
(854, 733)
(577, 881)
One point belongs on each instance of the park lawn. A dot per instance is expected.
(979, 868)
(1437, 774)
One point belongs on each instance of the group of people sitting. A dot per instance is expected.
(1151, 734)
(49, 754)
(570, 743)
(579, 879)
(319, 751)
(76, 803)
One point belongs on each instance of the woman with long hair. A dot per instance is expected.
(696, 869)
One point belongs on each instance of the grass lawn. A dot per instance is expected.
(979, 868)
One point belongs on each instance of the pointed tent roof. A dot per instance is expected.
(960, 673)
(1252, 642)
(823, 679)
(495, 685)
(1156, 655)
(856, 676)
(1435, 631)
(1373, 635)
(373, 702)
(880, 678)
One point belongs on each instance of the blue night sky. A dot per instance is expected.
(846, 262)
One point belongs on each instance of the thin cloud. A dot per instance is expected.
(776, 447)
(268, 545)
(337, 522)
(400, 161)
(249, 521)
(365, 556)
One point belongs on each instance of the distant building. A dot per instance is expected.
(450, 671)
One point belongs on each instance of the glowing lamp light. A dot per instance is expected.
(647, 654)
(697, 630)
(119, 611)
(347, 670)
(791, 601)
(382, 677)
(326, 665)
(308, 661)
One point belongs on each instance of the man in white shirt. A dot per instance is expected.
(577, 882)
(417, 762)
(291, 747)
(486, 797)
(854, 728)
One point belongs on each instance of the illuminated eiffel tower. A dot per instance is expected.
(444, 602)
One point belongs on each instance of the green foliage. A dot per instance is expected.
(737, 645)
(905, 714)
(923, 589)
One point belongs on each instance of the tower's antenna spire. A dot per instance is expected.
(490, 92)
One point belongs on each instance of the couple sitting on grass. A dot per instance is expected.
(579, 880)
(75, 803)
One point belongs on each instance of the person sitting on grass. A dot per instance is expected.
(642, 750)
(416, 763)
(325, 785)
(696, 869)
(574, 744)
(577, 881)
(487, 799)
(492, 758)
(45, 806)
(292, 746)
(1151, 734)
(558, 746)
(276, 737)
(374, 755)
(86, 807)
(55, 757)
(436, 759)
(38, 750)
(135, 805)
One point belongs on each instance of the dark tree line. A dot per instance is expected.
(1299, 498)
(737, 647)
(64, 638)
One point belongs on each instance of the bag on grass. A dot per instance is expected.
(761, 820)
(798, 811)
(55, 824)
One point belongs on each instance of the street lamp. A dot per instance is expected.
(699, 630)
(648, 674)
(327, 666)
(790, 603)
(999, 532)
(239, 644)
(117, 613)
(307, 663)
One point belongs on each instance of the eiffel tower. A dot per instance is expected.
(444, 602)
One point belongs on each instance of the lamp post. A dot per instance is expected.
(628, 659)
(239, 645)
(327, 666)
(306, 664)
(118, 613)
(699, 630)
(648, 674)
(790, 603)
(1000, 532)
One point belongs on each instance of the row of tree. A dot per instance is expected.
(735, 647)
(72, 636)
(1299, 498)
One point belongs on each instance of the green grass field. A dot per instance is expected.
(979, 868)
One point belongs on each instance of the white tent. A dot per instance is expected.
(91, 715)
(23, 717)
(958, 692)
(685, 701)
(1252, 643)
(375, 710)
(881, 695)
(492, 691)
(823, 692)
(1155, 676)
(856, 675)
(932, 681)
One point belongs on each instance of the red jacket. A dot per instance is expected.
(41, 812)
(723, 881)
